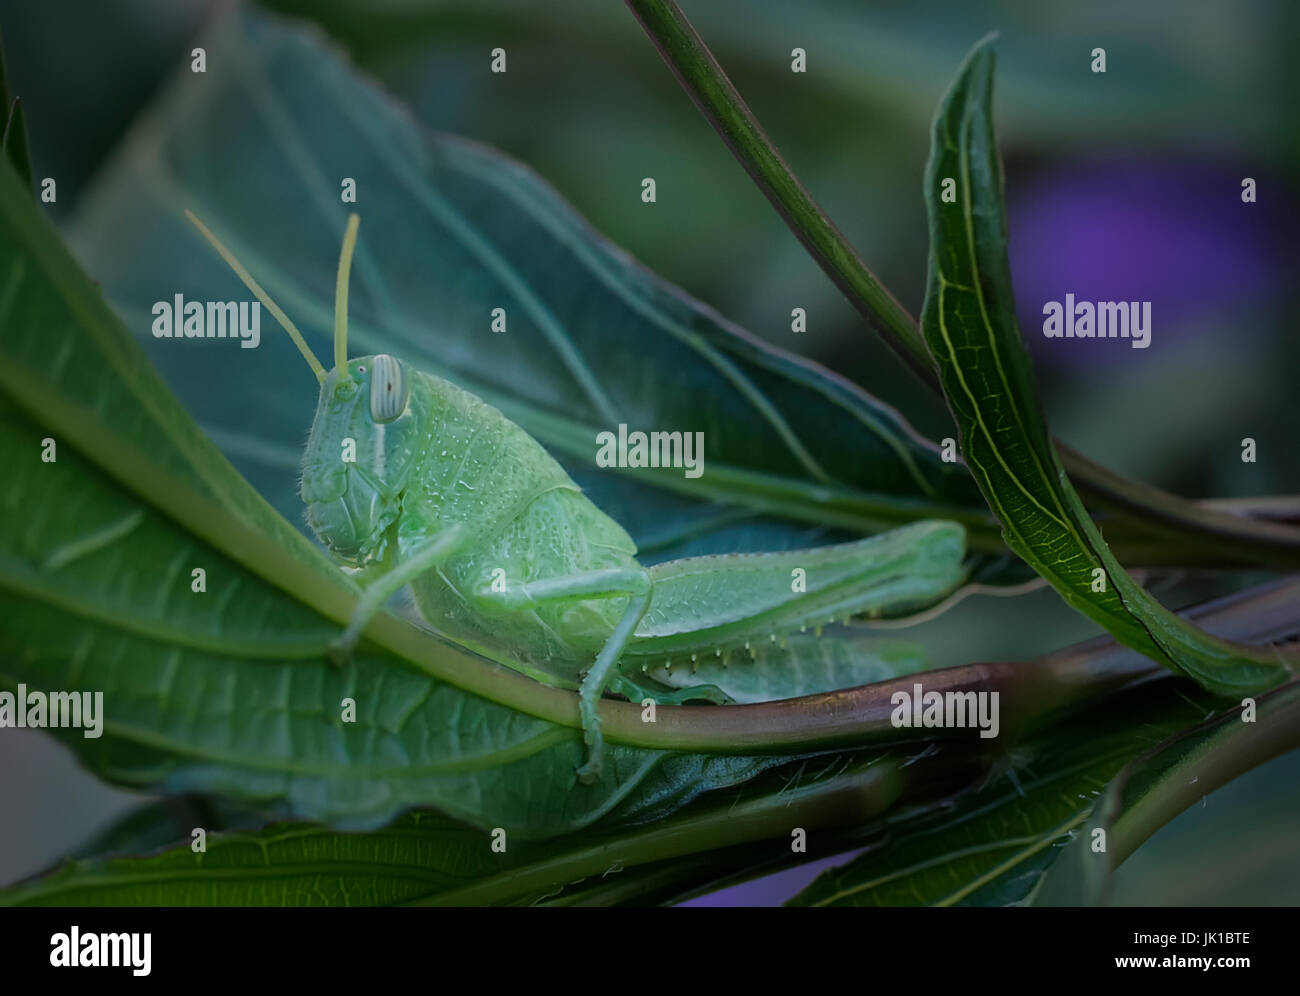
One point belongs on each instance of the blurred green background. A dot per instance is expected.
(1123, 185)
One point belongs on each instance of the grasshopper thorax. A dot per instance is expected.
(363, 445)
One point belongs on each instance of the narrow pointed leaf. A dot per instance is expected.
(1162, 782)
(996, 844)
(13, 129)
(13, 144)
(970, 325)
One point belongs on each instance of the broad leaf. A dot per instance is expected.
(260, 148)
(429, 859)
(990, 844)
(114, 498)
(970, 325)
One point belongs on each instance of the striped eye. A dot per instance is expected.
(388, 389)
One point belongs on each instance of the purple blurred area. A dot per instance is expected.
(1172, 232)
(771, 890)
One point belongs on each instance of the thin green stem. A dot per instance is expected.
(1236, 748)
(719, 101)
(851, 799)
(1200, 531)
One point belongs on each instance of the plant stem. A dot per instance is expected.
(721, 104)
(1235, 749)
(852, 799)
(1226, 538)
(846, 807)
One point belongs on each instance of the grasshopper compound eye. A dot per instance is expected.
(388, 389)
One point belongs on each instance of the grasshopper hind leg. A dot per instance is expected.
(634, 582)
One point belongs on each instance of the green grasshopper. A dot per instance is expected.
(505, 555)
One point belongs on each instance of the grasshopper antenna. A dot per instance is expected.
(341, 297)
(263, 296)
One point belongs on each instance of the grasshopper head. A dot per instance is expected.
(365, 438)
(359, 456)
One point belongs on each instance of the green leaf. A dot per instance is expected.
(13, 131)
(1155, 787)
(450, 231)
(994, 841)
(428, 859)
(1240, 841)
(993, 845)
(969, 323)
(155, 825)
(229, 691)
(13, 143)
